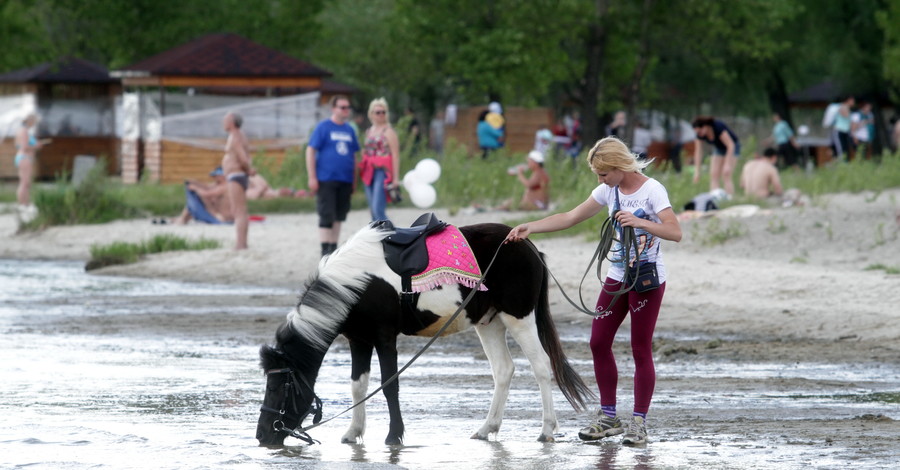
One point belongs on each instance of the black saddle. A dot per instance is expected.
(406, 254)
(405, 250)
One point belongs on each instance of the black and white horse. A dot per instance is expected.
(356, 294)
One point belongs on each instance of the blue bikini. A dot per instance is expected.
(32, 142)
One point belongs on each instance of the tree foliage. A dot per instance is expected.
(117, 33)
(594, 55)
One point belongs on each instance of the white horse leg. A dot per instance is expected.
(525, 333)
(493, 340)
(360, 365)
(358, 389)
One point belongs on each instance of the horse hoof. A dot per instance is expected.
(393, 441)
(479, 437)
(546, 438)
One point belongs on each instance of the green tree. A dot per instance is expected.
(119, 33)
(889, 21)
(21, 33)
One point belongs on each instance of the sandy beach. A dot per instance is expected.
(784, 273)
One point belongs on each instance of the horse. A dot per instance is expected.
(356, 294)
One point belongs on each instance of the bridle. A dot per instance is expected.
(291, 395)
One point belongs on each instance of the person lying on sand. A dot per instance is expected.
(259, 188)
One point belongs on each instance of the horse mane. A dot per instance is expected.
(336, 286)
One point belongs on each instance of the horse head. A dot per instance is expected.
(289, 399)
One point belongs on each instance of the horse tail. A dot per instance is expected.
(568, 380)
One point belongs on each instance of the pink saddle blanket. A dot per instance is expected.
(450, 261)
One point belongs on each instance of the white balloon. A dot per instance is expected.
(410, 179)
(428, 170)
(423, 195)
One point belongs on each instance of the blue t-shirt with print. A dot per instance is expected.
(335, 146)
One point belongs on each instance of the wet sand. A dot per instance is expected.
(779, 345)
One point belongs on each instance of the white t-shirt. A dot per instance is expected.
(646, 203)
(642, 140)
(862, 132)
(831, 113)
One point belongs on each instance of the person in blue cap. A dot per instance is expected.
(207, 202)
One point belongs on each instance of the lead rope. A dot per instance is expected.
(422, 350)
(607, 237)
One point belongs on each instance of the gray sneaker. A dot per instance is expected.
(602, 426)
(637, 433)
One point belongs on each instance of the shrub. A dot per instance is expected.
(91, 202)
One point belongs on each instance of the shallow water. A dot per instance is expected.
(103, 372)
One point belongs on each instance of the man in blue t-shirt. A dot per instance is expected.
(331, 166)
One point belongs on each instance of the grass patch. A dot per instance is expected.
(882, 267)
(91, 202)
(8, 192)
(126, 253)
(715, 231)
(776, 225)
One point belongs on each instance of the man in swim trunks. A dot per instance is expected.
(237, 167)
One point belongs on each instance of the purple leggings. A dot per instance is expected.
(645, 311)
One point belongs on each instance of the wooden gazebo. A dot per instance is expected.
(76, 100)
(226, 62)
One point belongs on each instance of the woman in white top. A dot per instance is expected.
(640, 202)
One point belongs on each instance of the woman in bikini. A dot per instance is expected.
(537, 186)
(27, 146)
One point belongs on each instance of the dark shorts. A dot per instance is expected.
(333, 202)
(737, 151)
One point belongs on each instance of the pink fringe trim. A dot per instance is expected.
(441, 276)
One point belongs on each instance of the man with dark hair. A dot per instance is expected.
(331, 169)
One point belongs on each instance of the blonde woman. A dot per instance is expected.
(380, 166)
(637, 201)
(27, 146)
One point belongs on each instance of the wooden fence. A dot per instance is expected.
(180, 161)
(521, 125)
(59, 155)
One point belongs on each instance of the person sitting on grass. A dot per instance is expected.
(760, 180)
(207, 203)
(537, 185)
(759, 177)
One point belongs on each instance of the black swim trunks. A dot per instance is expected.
(239, 178)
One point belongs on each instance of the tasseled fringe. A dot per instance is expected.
(435, 279)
